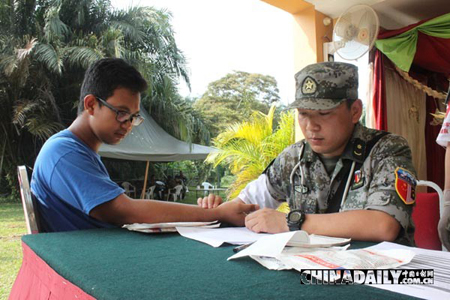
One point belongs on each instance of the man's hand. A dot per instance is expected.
(234, 212)
(267, 220)
(212, 201)
(444, 222)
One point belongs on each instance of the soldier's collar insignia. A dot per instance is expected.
(359, 149)
(309, 86)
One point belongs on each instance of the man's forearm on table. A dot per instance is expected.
(363, 225)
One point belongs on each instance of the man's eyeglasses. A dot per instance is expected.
(123, 116)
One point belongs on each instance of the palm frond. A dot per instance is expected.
(54, 28)
(49, 57)
(43, 128)
(248, 147)
(81, 56)
(22, 109)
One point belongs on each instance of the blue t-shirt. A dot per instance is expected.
(69, 180)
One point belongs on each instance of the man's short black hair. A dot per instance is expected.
(350, 102)
(108, 74)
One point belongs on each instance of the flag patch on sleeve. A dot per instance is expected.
(405, 185)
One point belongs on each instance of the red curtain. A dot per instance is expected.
(432, 57)
(379, 94)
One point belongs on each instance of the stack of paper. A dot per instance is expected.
(439, 261)
(168, 227)
(305, 240)
(274, 244)
(318, 252)
(216, 237)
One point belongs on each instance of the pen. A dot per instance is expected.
(242, 247)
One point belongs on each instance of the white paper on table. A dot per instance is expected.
(273, 245)
(217, 236)
(424, 259)
(318, 241)
(273, 263)
(351, 259)
(167, 227)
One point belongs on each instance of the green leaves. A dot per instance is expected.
(248, 147)
(49, 57)
(45, 48)
(234, 98)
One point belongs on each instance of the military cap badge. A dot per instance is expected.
(309, 86)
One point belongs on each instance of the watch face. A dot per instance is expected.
(295, 216)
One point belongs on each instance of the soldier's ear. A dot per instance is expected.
(356, 110)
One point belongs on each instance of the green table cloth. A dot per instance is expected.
(119, 264)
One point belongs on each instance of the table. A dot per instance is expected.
(119, 264)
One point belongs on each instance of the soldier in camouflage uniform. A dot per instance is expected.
(348, 180)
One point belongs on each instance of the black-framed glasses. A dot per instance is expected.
(123, 116)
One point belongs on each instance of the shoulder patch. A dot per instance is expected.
(405, 185)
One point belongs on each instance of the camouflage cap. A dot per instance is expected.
(325, 85)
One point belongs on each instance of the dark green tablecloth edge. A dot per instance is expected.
(119, 264)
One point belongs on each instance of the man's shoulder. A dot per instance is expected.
(293, 149)
(289, 156)
(392, 142)
(393, 148)
(61, 144)
(384, 140)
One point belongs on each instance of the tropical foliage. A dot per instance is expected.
(248, 147)
(234, 97)
(45, 47)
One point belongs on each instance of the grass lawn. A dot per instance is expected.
(192, 199)
(12, 227)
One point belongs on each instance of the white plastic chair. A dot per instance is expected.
(129, 188)
(29, 207)
(175, 192)
(150, 191)
(206, 186)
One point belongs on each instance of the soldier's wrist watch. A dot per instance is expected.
(295, 219)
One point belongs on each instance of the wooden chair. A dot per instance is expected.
(28, 201)
(426, 215)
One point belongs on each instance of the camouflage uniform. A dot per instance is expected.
(377, 190)
(376, 157)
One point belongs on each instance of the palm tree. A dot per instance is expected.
(45, 47)
(248, 147)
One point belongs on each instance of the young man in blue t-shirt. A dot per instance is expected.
(70, 182)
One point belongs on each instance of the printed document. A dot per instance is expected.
(439, 261)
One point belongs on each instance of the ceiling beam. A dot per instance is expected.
(293, 7)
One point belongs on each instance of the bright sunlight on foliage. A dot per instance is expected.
(248, 147)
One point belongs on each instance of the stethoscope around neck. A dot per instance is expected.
(304, 188)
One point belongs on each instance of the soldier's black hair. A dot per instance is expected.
(350, 102)
(106, 75)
